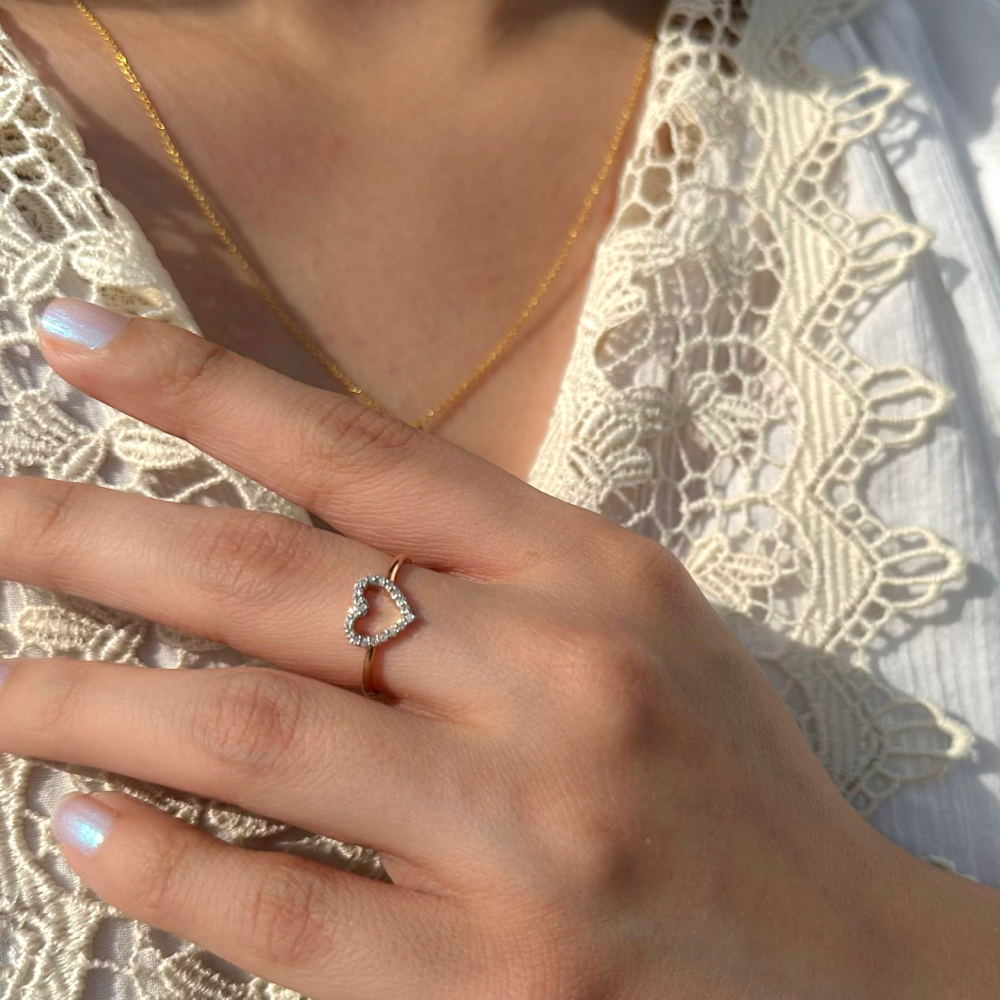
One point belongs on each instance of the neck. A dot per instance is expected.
(499, 14)
(310, 25)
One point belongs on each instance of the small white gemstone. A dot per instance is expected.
(360, 608)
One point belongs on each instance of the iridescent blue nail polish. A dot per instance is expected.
(82, 822)
(83, 322)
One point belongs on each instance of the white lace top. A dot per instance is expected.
(775, 373)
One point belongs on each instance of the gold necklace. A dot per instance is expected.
(303, 338)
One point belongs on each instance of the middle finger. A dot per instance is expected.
(262, 583)
(288, 747)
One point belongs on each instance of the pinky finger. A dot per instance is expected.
(314, 929)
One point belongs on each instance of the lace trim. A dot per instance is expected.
(713, 401)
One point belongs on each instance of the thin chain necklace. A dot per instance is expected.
(303, 338)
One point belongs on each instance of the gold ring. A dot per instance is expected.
(360, 608)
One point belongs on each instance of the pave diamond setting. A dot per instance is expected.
(360, 608)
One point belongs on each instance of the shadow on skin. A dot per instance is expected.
(515, 15)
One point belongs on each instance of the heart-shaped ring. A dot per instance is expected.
(360, 608)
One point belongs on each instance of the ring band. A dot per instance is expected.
(360, 608)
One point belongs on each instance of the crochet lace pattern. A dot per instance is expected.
(712, 401)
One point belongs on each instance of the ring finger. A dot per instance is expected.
(262, 583)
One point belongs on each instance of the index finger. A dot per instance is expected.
(370, 476)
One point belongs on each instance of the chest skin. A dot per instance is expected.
(402, 202)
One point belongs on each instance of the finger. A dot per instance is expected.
(324, 933)
(370, 476)
(262, 583)
(283, 746)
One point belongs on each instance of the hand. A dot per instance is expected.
(582, 785)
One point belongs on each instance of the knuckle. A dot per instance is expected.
(243, 559)
(58, 699)
(193, 371)
(289, 923)
(656, 578)
(39, 519)
(157, 872)
(591, 846)
(346, 432)
(248, 719)
(600, 852)
(609, 684)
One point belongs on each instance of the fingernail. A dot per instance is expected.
(81, 821)
(82, 322)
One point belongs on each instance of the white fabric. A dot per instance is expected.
(938, 162)
(753, 382)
